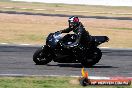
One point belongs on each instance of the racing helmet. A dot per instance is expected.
(73, 21)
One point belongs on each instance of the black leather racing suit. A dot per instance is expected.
(79, 30)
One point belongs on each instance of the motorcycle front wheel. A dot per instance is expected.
(42, 56)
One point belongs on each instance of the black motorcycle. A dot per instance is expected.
(61, 48)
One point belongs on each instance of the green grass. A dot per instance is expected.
(46, 82)
(122, 28)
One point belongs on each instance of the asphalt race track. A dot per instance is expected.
(64, 15)
(17, 60)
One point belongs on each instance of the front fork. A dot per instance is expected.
(48, 51)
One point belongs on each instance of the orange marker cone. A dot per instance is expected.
(84, 74)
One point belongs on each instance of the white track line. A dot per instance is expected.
(25, 44)
(80, 11)
(23, 8)
(39, 9)
(4, 43)
(61, 10)
(8, 7)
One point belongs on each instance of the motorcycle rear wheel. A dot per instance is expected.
(42, 57)
(92, 58)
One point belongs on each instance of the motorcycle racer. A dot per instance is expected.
(77, 27)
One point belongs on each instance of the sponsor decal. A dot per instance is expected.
(85, 80)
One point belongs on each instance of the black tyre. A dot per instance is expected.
(92, 57)
(84, 81)
(42, 56)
